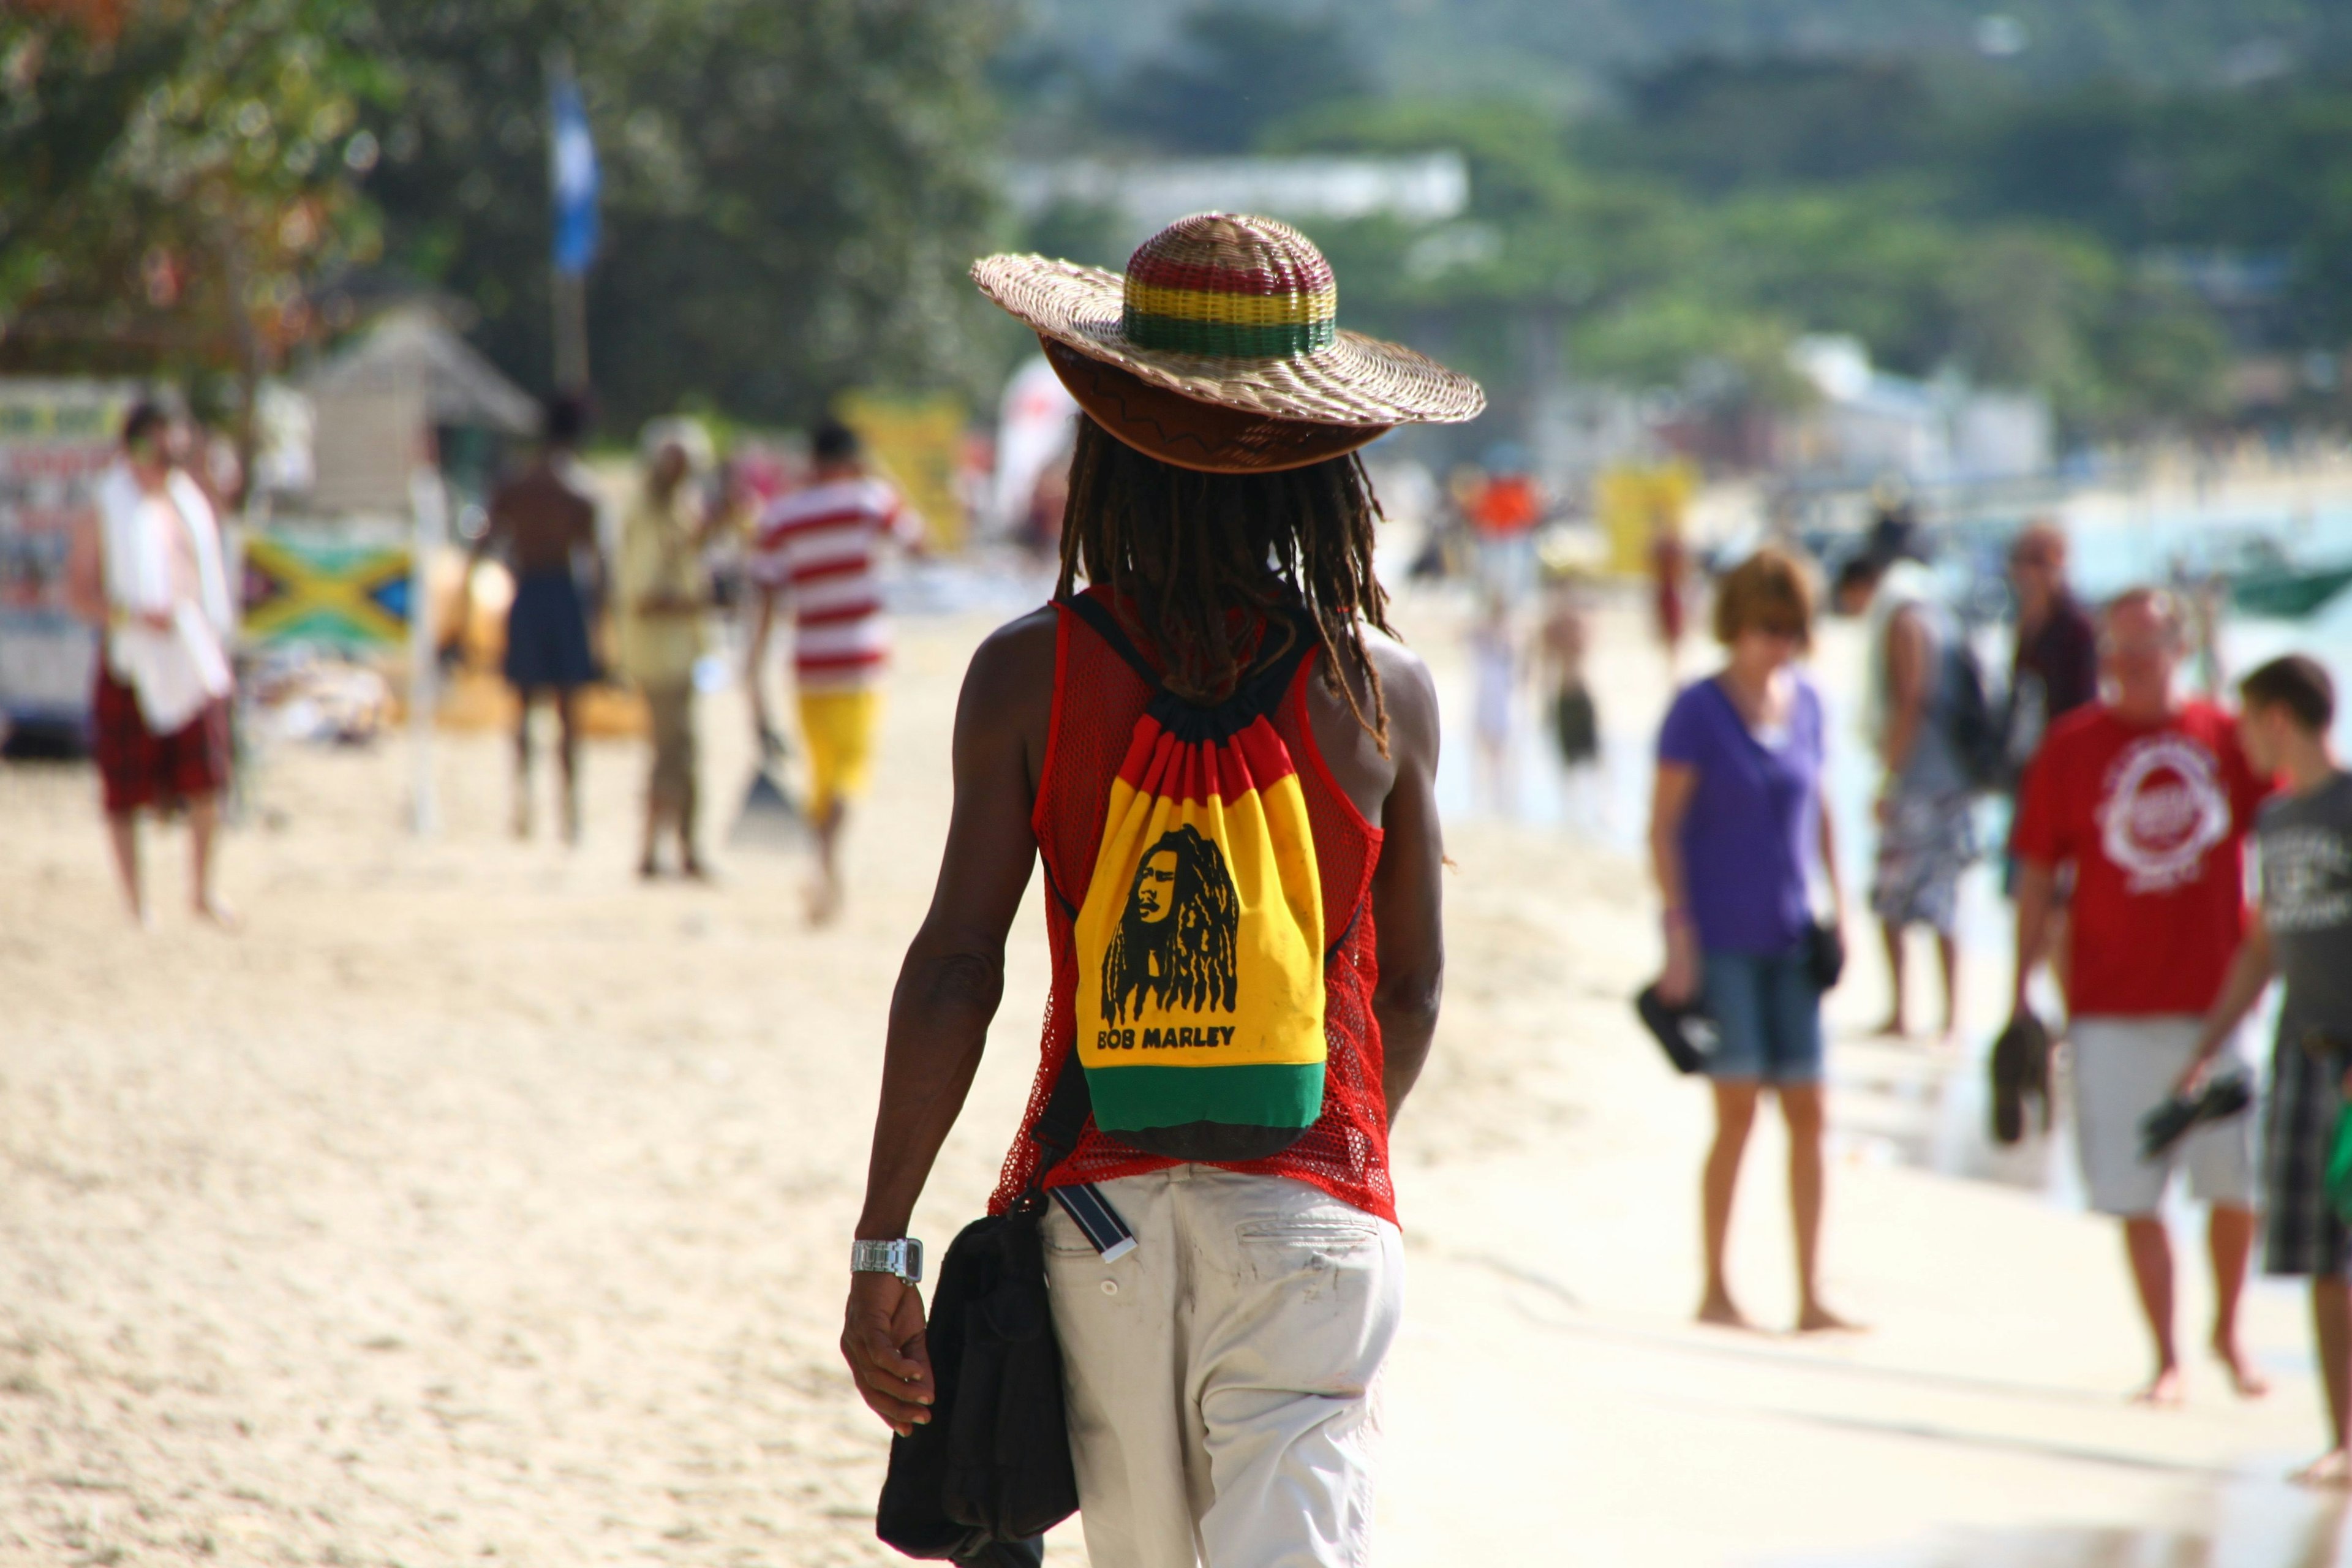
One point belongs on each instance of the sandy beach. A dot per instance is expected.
(478, 1204)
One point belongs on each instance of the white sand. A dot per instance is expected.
(479, 1205)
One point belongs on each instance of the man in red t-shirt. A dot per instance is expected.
(2147, 798)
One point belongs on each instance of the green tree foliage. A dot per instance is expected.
(1235, 69)
(1719, 125)
(167, 188)
(792, 192)
(1655, 263)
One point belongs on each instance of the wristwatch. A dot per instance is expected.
(903, 1257)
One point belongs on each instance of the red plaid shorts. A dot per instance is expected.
(140, 768)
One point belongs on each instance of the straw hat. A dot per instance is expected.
(1221, 348)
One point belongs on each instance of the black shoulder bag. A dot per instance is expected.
(989, 1473)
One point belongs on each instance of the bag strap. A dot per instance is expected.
(1090, 609)
(1059, 1125)
(1055, 1133)
(1259, 690)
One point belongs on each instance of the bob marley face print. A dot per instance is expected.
(1199, 969)
(1174, 948)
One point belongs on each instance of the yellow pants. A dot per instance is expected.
(838, 729)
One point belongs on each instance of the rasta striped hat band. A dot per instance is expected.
(1221, 348)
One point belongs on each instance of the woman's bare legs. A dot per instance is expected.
(1801, 1107)
(1735, 1113)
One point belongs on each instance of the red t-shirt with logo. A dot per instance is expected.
(2153, 817)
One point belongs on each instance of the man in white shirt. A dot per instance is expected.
(160, 710)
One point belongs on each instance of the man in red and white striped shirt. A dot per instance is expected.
(820, 546)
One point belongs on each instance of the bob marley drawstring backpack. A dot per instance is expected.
(1200, 939)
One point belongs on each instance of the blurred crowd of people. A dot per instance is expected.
(2133, 803)
(637, 605)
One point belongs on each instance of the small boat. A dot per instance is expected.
(2265, 581)
(2287, 593)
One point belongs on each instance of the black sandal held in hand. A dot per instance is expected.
(1686, 1033)
(2021, 1070)
(2225, 1095)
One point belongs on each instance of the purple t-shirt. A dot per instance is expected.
(1748, 839)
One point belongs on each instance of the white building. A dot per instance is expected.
(1870, 425)
(1148, 196)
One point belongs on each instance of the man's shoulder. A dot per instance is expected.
(1020, 653)
(1407, 689)
(2328, 806)
(1009, 685)
(2083, 728)
(2206, 717)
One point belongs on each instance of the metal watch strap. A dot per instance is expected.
(902, 1255)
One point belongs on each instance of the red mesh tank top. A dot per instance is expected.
(1097, 700)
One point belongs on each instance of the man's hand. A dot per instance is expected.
(882, 1340)
(2200, 1067)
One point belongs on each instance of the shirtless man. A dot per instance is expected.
(544, 522)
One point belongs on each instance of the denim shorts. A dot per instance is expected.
(1767, 1016)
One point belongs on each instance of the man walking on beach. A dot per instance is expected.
(2301, 932)
(544, 523)
(1926, 839)
(822, 545)
(1219, 1374)
(2146, 798)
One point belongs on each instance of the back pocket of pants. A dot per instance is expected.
(1278, 1248)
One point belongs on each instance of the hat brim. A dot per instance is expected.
(1208, 437)
(1356, 381)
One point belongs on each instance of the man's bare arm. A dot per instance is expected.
(2036, 890)
(2249, 974)
(1906, 685)
(947, 991)
(1408, 900)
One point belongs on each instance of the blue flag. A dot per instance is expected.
(571, 173)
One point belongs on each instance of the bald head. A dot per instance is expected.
(2142, 636)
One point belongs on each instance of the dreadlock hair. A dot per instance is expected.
(1183, 550)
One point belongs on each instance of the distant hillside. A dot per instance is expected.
(1564, 50)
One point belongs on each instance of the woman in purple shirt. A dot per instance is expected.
(1737, 825)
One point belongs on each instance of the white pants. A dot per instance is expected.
(1219, 1376)
(2126, 1067)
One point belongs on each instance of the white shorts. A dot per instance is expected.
(1219, 1376)
(2124, 1069)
